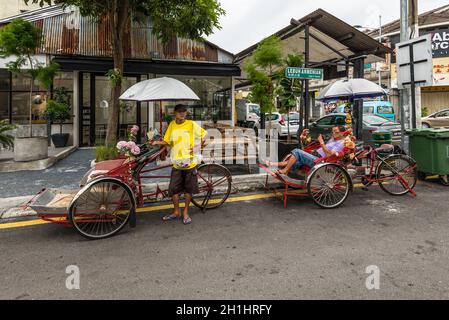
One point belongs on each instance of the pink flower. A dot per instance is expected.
(135, 151)
(121, 145)
(135, 130)
(130, 145)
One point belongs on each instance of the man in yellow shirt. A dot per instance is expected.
(185, 138)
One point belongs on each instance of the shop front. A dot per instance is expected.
(84, 56)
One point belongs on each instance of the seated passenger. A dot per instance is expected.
(299, 157)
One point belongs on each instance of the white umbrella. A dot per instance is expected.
(159, 89)
(350, 90)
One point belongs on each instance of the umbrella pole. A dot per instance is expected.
(160, 116)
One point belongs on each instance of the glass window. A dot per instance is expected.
(214, 94)
(21, 107)
(443, 114)
(4, 80)
(22, 82)
(63, 79)
(368, 110)
(340, 120)
(86, 89)
(385, 110)
(292, 116)
(326, 121)
(4, 105)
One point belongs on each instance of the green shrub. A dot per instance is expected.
(6, 140)
(424, 112)
(57, 112)
(103, 153)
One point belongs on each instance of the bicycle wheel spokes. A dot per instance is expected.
(214, 185)
(397, 175)
(102, 209)
(329, 186)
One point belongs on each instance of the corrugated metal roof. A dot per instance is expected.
(333, 27)
(93, 38)
(435, 16)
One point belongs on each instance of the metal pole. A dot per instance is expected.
(412, 86)
(306, 64)
(380, 40)
(403, 94)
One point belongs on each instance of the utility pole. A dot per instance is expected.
(415, 94)
(380, 40)
(403, 93)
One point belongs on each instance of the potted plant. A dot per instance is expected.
(58, 112)
(6, 139)
(20, 39)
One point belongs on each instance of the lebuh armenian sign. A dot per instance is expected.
(303, 73)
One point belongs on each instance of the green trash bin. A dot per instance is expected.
(430, 149)
(380, 137)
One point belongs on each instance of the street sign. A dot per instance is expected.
(415, 69)
(304, 73)
(414, 62)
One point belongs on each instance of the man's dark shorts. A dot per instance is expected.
(183, 181)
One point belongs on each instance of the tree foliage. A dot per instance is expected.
(184, 18)
(21, 39)
(262, 71)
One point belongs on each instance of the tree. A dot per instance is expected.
(289, 90)
(21, 39)
(184, 18)
(263, 71)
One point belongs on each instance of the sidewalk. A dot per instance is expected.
(7, 163)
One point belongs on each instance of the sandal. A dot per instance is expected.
(187, 221)
(171, 217)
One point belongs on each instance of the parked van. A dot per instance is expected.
(378, 108)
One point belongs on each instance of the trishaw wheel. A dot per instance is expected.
(101, 209)
(214, 184)
(389, 171)
(329, 186)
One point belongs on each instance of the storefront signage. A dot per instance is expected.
(440, 43)
(304, 73)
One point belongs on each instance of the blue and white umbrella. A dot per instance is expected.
(350, 90)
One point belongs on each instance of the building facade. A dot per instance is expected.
(9, 8)
(436, 23)
(82, 48)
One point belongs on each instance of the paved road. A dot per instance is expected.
(246, 250)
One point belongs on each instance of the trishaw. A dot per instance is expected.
(112, 190)
(329, 182)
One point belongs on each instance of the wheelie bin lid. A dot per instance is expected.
(429, 133)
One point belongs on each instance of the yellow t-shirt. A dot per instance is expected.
(185, 141)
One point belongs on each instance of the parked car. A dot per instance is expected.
(371, 123)
(282, 123)
(379, 108)
(436, 120)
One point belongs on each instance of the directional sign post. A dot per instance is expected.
(304, 73)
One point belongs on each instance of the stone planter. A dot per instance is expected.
(30, 149)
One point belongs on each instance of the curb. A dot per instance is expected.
(10, 207)
(38, 164)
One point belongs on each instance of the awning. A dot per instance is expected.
(102, 65)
